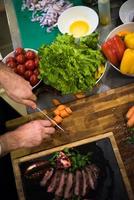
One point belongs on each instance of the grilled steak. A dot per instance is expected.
(47, 176)
(68, 191)
(60, 187)
(78, 183)
(85, 188)
(54, 181)
(90, 177)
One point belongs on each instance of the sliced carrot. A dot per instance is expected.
(130, 112)
(61, 107)
(56, 102)
(56, 112)
(68, 109)
(64, 113)
(130, 122)
(58, 119)
(80, 95)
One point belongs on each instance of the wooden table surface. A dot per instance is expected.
(91, 116)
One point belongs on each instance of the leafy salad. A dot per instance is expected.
(70, 65)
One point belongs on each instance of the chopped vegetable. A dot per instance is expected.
(68, 110)
(56, 102)
(64, 113)
(46, 12)
(129, 40)
(70, 66)
(127, 63)
(57, 119)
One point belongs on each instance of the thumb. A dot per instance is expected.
(29, 103)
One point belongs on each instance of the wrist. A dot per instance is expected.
(8, 143)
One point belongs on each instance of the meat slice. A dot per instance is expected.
(86, 187)
(54, 181)
(95, 170)
(47, 176)
(60, 188)
(68, 191)
(78, 183)
(90, 176)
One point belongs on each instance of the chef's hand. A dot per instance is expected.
(16, 87)
(28, 135)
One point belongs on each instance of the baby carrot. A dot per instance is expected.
(130, 112)
(56, 112)
(61, 107)
(130, 122)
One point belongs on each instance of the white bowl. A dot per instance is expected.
(78, 13)
(12, 55)
(123, 27)
(126, 11)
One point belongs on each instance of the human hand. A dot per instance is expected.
(17, 88)
(28, 135)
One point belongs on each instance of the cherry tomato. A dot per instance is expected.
(28, 74)
(30, 55)
(10, 58)
(36, 72)
(33, 80)
(20, 59)
(30, 65)
(36, 62)
(19, 51)
(11, 64)
(20, 69)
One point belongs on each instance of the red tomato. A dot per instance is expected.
(20, 69)
(33, 80)
(10, 58)
(36, 62)
(28, 74)
(20, 59)
(19, 51)
(30, 65)
(30, 55)
(36, 72)
(11, 64)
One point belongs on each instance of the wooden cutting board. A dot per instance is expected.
(91, 116)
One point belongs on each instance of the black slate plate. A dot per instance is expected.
(110, 187)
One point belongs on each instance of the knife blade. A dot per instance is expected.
(50, 119)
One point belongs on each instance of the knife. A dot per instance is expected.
(50, 119)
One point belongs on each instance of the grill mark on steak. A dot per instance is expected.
(90, 178)
(68, 191)
(54, 181)
(85, 188)
(78, 183)
(95, 170)
(60, 188)
(47, 176)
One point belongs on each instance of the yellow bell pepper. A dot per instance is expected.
(127, 63)
(129, 40)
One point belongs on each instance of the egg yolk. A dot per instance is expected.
(79, 28)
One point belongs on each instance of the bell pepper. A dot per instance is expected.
(127, 63)
(129, 40)
(113, 49)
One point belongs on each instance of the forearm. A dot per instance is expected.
(4, 73)
(8, 143)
